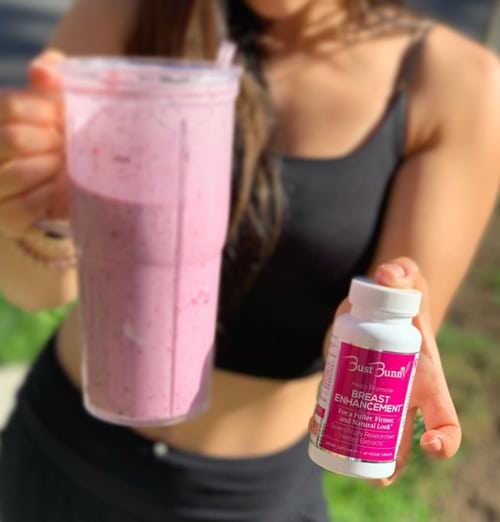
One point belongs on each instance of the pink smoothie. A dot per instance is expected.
(150, 189)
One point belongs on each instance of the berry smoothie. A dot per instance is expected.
(150, 187)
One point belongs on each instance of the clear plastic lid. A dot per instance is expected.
(124, 73)
(364, 292)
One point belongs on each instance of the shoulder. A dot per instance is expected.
(452, 59)
(457, 87)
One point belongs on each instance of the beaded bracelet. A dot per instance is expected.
(41, 250)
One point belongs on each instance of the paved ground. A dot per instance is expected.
(10, 378)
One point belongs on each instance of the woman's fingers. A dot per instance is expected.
(431, 394)
(43, 71)
(18, 106)
(18, 214)
(32, 184)
(21, 140)
(20, 175)
(401, 272)
(404, 449)
(430, 391)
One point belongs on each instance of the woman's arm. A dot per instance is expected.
(31, 150)
(446, 189)
(439, 206)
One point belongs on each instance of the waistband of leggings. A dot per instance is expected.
(125, 469)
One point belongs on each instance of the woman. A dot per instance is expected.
(364, 135)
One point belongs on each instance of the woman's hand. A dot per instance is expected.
(430, 391)
(32, 181)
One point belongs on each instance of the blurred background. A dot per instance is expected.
(465, 489)
(24, 27)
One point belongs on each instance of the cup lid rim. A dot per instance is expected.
(154, 68)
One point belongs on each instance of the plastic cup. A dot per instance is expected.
(149, 148)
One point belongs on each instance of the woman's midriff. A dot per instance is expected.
(248, 416)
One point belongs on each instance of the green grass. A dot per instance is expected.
(468, 343)
(471, 360)
(488, 277)
(23, 334)
(354, 500)
(406, 500)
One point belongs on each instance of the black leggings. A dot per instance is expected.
(58, 464)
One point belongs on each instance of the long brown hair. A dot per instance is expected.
(195, 28)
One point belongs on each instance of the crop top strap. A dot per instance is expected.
(411, 57)
(404, 80)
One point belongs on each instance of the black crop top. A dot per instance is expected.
(332, 219)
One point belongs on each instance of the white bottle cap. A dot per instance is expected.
(364, 292)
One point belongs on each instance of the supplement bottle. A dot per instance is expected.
(363, 399)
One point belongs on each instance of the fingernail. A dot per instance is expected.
(48, 57)
(434, 445)
(45, 65)
(396, 270)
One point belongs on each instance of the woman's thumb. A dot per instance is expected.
(43, 72)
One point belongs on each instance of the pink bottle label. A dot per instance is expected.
(368, 402)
